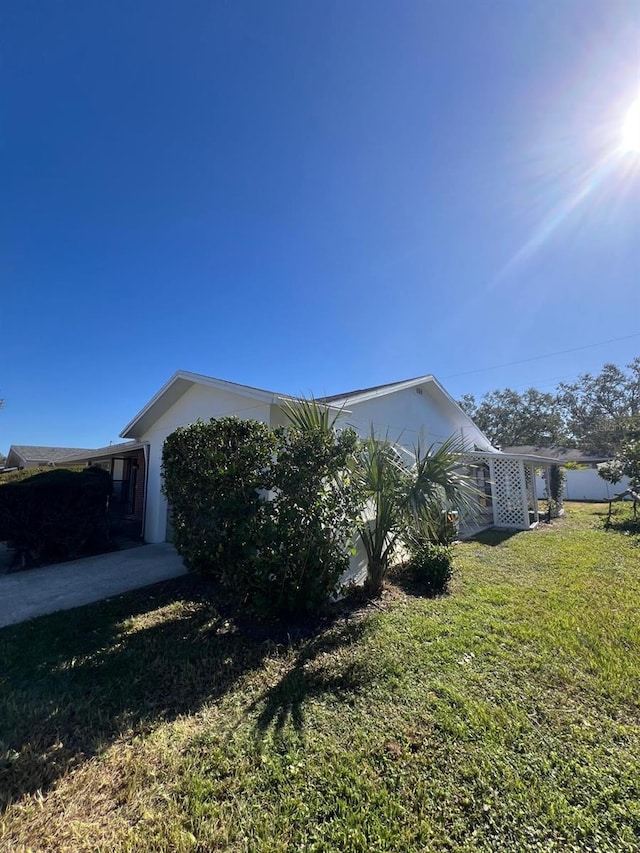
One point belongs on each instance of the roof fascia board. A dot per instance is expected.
(383, 392)
(156, 397)
(100, 452)
(524, 457)
(17, 453)
(412, 383)
(267, 397)
(284, 399)
(225, 385)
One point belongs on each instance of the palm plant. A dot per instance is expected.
(308, 415)
(381, 479)
(438, 484)
(405, 504)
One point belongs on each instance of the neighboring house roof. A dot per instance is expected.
(23, 454)
(559, 454)
(103, 452)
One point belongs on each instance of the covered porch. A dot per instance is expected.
(512, 484)
(127, 463)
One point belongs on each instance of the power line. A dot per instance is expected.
(539, 357)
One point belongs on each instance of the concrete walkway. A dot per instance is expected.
(24, 595)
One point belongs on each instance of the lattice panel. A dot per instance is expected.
(531, 484)
(508, 497)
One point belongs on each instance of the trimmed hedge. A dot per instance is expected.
(267, 513)
(216, 475)
(57, 514)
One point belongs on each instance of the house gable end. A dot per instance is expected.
(180, 384)
(445, 411)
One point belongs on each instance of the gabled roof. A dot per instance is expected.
(363, 394)
(183, 380)
(48, 455)
(103, 452)
(368, 393)
(178, 385)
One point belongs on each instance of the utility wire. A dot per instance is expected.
(539, 357)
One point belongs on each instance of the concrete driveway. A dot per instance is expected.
(24, 595)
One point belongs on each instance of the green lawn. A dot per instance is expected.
(502, 717)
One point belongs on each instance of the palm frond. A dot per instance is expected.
(439, 483)
(308, 414)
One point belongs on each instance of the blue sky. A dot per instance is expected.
(310, 196)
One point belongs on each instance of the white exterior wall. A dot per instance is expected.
(407, 417)
(199, 402)
(585, 485)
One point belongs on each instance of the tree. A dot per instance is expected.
(508, 418)
(379, 477)
(596, 412)
(601, 411)
(625, 464)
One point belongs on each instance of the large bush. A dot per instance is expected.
(55, 515)
(268, 513)
(304, 547)
(216, 476)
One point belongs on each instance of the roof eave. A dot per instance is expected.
(267, 397)
(524, 457)
(384, 391)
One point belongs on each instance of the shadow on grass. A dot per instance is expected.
(622, 517)
(317, 672)
(493, 536)
(72, 683)
(629, 526)
(402, 578)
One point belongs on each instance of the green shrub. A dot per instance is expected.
(431, 566)
(268, 513)
(304, 542)
(215, 478)
(57, 514)
(24, 474)
(557, 478)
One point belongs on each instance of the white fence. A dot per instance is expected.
(586, 485)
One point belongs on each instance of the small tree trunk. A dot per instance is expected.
(556, 491)
(376, 572)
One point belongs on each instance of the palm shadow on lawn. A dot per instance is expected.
(316, 672)
(72, 683)
(493, 536)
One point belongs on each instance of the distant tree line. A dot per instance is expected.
(596, 413)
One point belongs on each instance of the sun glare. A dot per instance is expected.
(630, 142)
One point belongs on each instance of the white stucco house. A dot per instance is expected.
(406, 412)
